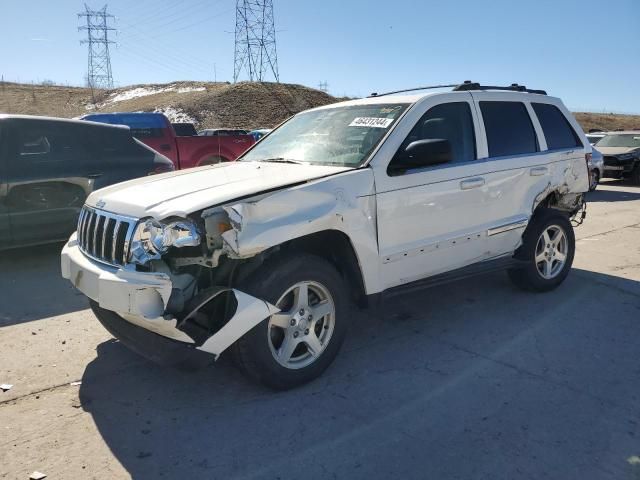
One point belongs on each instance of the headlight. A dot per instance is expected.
(627, 156)
(152, 239)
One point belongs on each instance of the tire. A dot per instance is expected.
(594, 179)
(262, 353)
(635, 174)
(531, 276)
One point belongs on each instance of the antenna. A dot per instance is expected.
(255, 45)
(96, 23)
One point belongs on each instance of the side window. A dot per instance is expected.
(44, 142)
(557, 130)
(448, 121)
(509, 129)
(34, 142)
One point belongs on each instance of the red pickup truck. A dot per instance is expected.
(155, 130)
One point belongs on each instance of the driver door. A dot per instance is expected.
(434, 219)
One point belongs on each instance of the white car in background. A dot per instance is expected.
(595, 137)
(596, 168)
(342, 204)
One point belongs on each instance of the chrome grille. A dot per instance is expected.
(105, 236)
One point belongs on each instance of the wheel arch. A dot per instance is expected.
(335, 247)
(568, 203)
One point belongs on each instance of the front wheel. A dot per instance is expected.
(547, 252)
(594, 179)
(298, 343)
(635, 174)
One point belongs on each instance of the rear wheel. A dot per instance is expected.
(298, 343)
(547, 252)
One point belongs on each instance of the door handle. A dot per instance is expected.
(537, 171)
(94, 175)
(472, 183)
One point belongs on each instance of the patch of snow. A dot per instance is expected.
(190, 89)
(175, 115)
(137, 92)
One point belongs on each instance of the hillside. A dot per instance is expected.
(207, 104)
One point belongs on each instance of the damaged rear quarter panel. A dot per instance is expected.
(343, 202)
(568, 180)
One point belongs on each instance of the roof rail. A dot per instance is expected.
(462, 87)
(514, 87)
(375, 94)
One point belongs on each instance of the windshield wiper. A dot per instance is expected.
(280, 160)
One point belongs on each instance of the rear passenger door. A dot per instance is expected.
(47, 182)
(564, 148)
(114, 156)
(518, 168)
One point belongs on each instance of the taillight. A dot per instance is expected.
(587, 157)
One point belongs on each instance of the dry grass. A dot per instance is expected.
(241, 105)
(608, 121)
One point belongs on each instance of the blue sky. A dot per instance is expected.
(587, 52)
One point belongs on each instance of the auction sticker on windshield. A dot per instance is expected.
(371, 122)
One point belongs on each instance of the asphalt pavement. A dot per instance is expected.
(471, 380)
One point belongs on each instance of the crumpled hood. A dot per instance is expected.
(616, 150)
(183, 192)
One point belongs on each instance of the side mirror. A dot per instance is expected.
(422, 153)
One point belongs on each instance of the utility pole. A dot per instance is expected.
(255, 40)
(96, 23)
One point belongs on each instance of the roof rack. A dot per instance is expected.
(465, 86)
(514, 87)
(430, 87)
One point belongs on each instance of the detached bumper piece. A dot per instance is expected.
(132, 307)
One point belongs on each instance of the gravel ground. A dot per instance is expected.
(469, 380)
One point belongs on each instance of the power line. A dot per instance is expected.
(173, 17)
(99, 61)
(255, 40)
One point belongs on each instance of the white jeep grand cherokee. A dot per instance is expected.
(341, 203)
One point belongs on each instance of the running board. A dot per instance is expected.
(479, 268)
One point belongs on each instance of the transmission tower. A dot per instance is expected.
(323, 86)
(255, 49)
(96, 23)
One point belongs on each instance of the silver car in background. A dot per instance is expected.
(596, 169)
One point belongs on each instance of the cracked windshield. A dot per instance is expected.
(343, 136)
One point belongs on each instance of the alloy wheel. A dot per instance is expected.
(301, 331)
(551, 252)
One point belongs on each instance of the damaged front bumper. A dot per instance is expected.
(141, 299)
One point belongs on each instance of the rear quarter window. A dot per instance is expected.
(114, 146)
(555, 126)
(509, 128)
